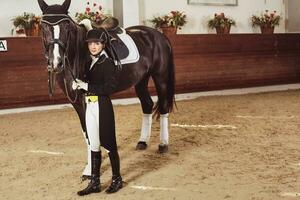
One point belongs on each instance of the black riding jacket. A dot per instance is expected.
(102, 78)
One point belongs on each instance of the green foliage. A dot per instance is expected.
(173, 19)
(266, 19)
(220, 20)
(27, 20)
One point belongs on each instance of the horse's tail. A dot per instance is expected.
(171, 81)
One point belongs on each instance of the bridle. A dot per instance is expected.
(65, 59)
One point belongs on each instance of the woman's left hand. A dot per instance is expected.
(79, 84)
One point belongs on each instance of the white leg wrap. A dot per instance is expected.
(164, 129)
(146, 127)
(87, 169)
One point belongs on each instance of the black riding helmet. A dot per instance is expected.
(97, 35)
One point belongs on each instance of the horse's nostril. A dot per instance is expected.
(59, 61)
(50, 62)
(50, 69)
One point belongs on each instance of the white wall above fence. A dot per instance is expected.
(11, 8)
(197, 15)
(140, 11)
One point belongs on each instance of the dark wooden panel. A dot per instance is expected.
(208, 62)
(203, 62)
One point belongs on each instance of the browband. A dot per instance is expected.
(62, 17)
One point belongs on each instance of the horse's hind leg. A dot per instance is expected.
(162, 108)
(143, 94)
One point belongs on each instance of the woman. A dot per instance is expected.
(101, 80)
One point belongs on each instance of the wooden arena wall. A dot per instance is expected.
(203, 62)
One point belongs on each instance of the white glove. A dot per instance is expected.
(79, 85)
(74, 85)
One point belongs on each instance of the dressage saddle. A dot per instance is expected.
(111, 24)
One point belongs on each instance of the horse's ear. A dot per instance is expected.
(43, 5)
(66, 5)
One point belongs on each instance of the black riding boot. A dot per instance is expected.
(94, 184)
(116, 182)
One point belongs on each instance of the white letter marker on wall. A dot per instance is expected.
(3, 45)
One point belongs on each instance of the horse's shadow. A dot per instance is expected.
(136, 164)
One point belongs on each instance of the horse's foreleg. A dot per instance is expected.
(147, 105)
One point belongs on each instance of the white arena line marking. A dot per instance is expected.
(290, 194)
(296, 164)
(265, 117)
(216, 126)
(140, 187)
(46, 152)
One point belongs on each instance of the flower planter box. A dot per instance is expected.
(169, 30)
(33, 31)
(223, 30)
(267, 29)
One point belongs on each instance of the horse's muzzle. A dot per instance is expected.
(55, 70)
(55, 67)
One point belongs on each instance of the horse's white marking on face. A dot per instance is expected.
(265, 117)
(214, 126)
(290, 194)
(56, 56)
(140, 187)
(46, 152)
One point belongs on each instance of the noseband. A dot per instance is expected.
(65, 46)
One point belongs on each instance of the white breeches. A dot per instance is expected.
(87, 169)
(92, 125)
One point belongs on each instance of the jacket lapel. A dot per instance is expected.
(100, 59)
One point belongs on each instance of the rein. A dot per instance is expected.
(65, 60)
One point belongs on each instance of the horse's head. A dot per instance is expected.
(56, 31)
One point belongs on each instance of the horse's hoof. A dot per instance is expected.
(141, 145)
(163, 148)
(85, 177)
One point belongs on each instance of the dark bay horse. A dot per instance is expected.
(66, 54)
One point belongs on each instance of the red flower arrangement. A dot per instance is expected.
(271, 19)
(175, 19)
(94, 14)
(266, 21)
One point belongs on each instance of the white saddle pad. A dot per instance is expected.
(134, 55)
